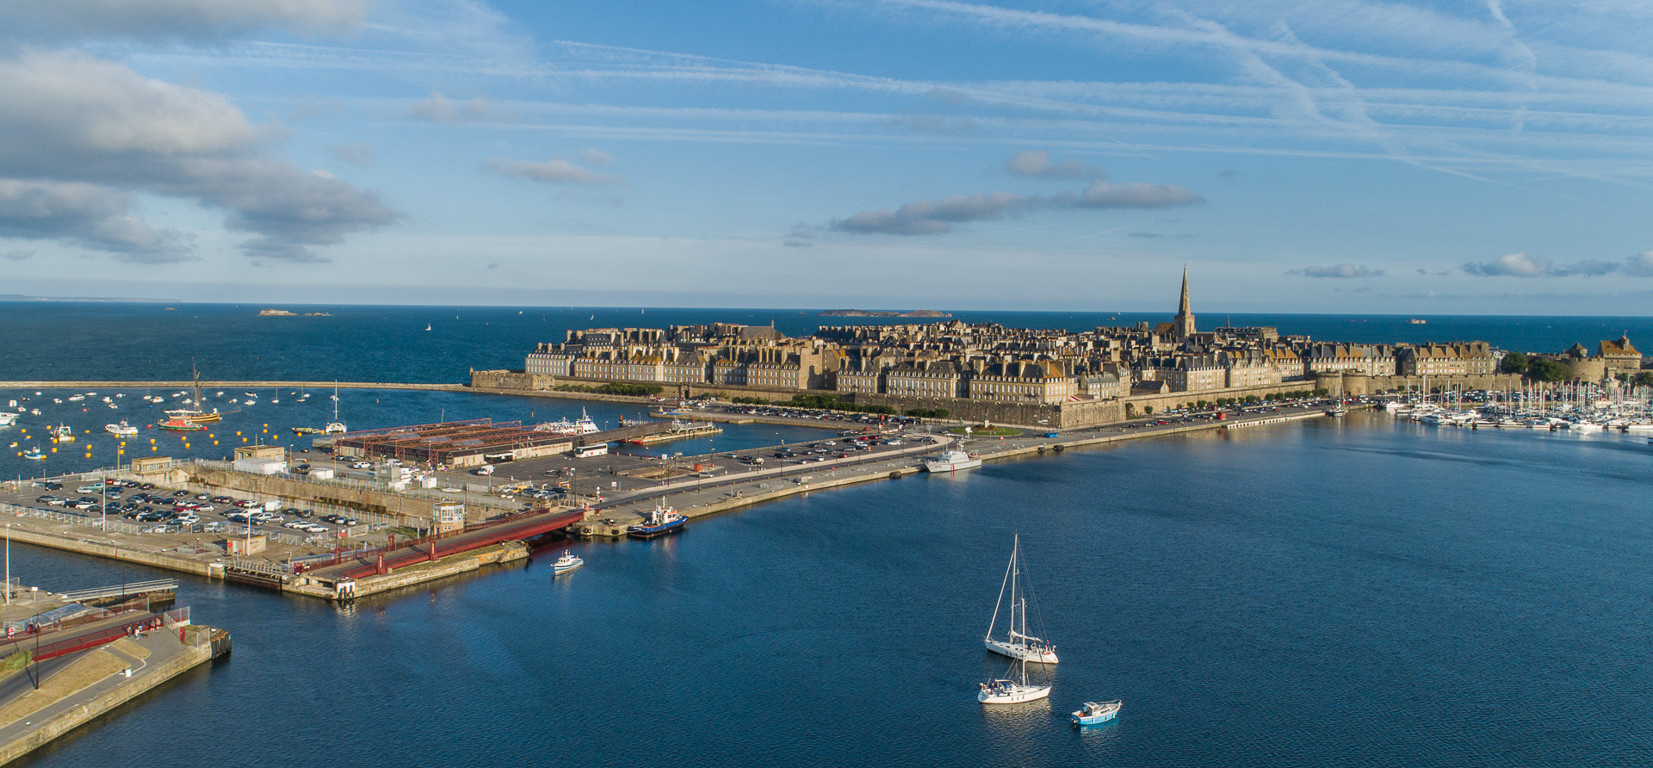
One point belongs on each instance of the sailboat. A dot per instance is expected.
(335, 427)
(1018, 644)
(1013, 688)
(194, 413)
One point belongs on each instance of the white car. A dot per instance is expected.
(298, 525)
(317, 528)
(362, 465)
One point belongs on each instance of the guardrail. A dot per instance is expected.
(121, 590)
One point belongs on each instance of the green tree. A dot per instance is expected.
(1643, 379)
(1544, 369)
(1514, 362)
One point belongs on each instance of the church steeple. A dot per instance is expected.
(1184, 323)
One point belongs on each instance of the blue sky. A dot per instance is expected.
(1329, 156)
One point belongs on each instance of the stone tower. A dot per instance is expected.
(1183, 325)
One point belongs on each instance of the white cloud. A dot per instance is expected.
(87, 215)
(438, 108)
(1510, 265)
(1640, 265)
(1522, 265)
(595, 156)
(553, 171)
(930, 217)
(18, 255)
(1036, 163)
(70, 119)
(171, 19)
(1345, 271)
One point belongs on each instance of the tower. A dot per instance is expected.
(1183, 325)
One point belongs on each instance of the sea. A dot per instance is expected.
(1357, 592)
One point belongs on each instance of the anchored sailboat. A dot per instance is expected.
(1018, 644)
(1013, 688)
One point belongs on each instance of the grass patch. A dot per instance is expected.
(989, 432)
(95, 666)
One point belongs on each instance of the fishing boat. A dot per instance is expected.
(1017, 644)
(566, 564)
(122, 429)
(658, 522)
(62, 433)
(34, 454)
(1013, 688)
(1097, 712)
(180, 425)
(951, 460)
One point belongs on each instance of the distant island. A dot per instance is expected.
(882, 313)
(288, 313)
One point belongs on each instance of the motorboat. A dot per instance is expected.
(34, 454)
(1097, 712)
(62, 433)
(566, 564)
(658, 522)
(951, 460)
(122, 429)
(8, 418)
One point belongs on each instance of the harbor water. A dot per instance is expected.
(1358, 591)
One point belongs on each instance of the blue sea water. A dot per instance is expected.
(1357, 592)
(96, 341)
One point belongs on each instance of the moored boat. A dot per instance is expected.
(658, 522)
(567, 563)
(63, 433)
(1017, 644)
(122, 429)
(181, 425)
(1013, 688)
(1097, 712)
(951, 460)
(8, 418)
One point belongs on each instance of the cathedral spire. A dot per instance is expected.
(1184, 323)
(1182, 306)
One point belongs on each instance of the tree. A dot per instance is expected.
(1543, 369)
(1643, 379)
(1514, 362)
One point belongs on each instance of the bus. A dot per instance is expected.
(586, 452)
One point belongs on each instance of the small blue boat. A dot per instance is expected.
(658, 522)
(566, 564)
(1097, 713)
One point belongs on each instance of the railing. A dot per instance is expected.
(133, 588)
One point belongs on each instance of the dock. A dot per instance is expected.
(81, 673)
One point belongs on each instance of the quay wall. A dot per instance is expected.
(226, 383)
(111, 551)
(188, 658)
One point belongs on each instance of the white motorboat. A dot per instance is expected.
(122, 429)
(1017, 644)
(8, 418)
(951, 460)
(567, 563)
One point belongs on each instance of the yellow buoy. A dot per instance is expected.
(215, 442)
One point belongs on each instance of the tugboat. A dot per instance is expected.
(658, 522)
(568, 563)
(1097, 713)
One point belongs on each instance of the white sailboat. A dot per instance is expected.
(1017, 644)
(1013, 688)
(335, 427)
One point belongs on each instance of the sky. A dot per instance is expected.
(1295, 156)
